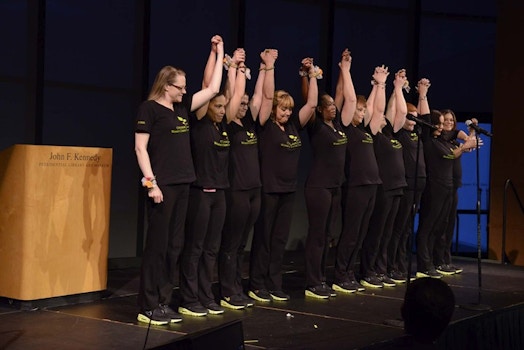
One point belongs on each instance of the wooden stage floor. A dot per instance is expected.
(354, 321)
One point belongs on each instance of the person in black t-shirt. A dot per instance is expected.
(415, 168)
(243, 197)
(279, 150)
(436, 199)
(323, 185)
(389, 155)
(359, 189)
(442, 256)
(207, 203)
(162, 146)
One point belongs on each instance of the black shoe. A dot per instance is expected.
(174, 316)
(319, 292)
(371, 282)
(195, 310)
(429, 273)
(332, 293)
(234, 302)
(457, 269)
(344, 287)
(213, 308)
(156, 317)
(279, 295)
(397, 277)
(445, 269)
(247, 300)
(386, 281)
(355, 284)
(260, 295)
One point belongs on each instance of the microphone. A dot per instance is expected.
(477, 128)
(420, 121)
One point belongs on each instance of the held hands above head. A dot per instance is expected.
(268, 57)
(400, 80)
(380, 75)
(423, 87)
(402, 73)
(239, 58)
(345, 61)
(309, 69)
(216, 41)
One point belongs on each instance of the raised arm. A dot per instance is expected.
(303, 72)
(379, 106)
(203, 96)
(347, 102)
(400, 102)
(308, 109)
(370, 102)
(391, 109)
(238, 84)
(422, 88)
(239, 56)
(256, 99)
(269, 57)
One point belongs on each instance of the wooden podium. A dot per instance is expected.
(54, 220)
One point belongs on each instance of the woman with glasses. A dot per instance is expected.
(162, 147)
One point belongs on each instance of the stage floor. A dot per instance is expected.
(351, 321)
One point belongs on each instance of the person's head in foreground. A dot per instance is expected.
(427, 309)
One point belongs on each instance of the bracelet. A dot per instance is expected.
(149, 182)
(246, 71)
(317, 73)
(374, 82)
(422, 98)
(270, 68)
(302, 73)
(228, 62)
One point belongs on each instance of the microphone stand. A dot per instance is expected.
(478, 306)
(417, 129)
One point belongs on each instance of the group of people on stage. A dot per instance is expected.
(219, 164)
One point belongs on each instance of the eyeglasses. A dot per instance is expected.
(178, 87)
(243, 104)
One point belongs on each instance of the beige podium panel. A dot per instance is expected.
(54, 220)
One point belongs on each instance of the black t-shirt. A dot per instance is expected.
(410, 142)
(244, 168)
(439, 157)
(439, 161)
(451, 137)
(169, 146)
(329, 153)
(361, 164)
(210, 146)
(279, 155)
(390, 160)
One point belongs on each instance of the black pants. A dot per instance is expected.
(164, 242)
(357, 205)
(434, 211)
(205, 219)
(375, 246)
(243, 208)
(270, 236)
(443, 246)
(321, 205)
(399, 247)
